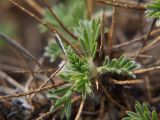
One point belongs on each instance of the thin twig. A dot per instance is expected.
(52, 75)
(80, 110)
(49, 70)
(123, 5)
(112, 29)
(30, 79)
(150, 45)
(127, 82)
(35, 6)
(150, 29)
(32, 91)
(109, 96)
(89, 5)
(59, 21)
(102, 108)
(145, 70)
(101, 49)
(154, 32)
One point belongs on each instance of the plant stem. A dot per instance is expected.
(80, 110)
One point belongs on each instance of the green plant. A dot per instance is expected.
(80, 71)
(142, 113)
(69, 12)
(52, 50)
(153, 9)
(121, 66)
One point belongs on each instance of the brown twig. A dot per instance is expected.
(150, 45)
(49, 70)
(101, 49)
(102, 108)
(154, 32)
(109, 96)
(32, 91)
(59, 21)
(112, 29)
(80, 110)
(35, 6)
(123, 5)
(150, 29)
(52, 75)
(89, 5)
(127, 82)
(145, 70)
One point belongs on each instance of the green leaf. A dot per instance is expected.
(142, 113)
(122, 66)
(154, 115)
(153, 9)
(52, 51)
(87, 33)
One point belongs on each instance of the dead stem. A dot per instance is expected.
(150, 45)
(102, 108)
(112, 29)
(101, 49)
(148, 88)
(89, 8)
(145, 70)
(109, 96)
(141, 56)
(123, 5)
(154, 32)
(52, 75)
(80, 110)
(49, 70)
(59, 21)
(32, 91)
(150, 29)
(127, 82)
(35, 6)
